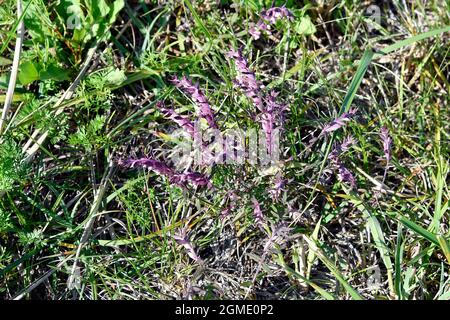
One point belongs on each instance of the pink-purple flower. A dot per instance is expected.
(347, 143)
(274, 14)
(277, 188)
(257, 212)
(343, 173)
(269, 17)
(271, 113)
(181, 239)
(334, 125)
(279, 235)
(387, 143)
(193, 91)
(196, 179)
(157, 166)
(182, 121)
(339, 122)
(180, 179)
(246, 79)
(255, 31)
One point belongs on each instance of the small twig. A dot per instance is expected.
(15, 66)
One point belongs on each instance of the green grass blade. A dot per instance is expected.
(197, 19)
(311, 255)
(403, 43)
(399, 250)
(378, 237)
(322, 292)
(17, 262)
(419, 230)
(332, 267)
(445, 247)
(356, 82)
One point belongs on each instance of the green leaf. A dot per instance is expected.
(98, 9)
(311, 255)
(115, 77)
(92, 17)
(197, 19)
(133, 240)
(12, 168)
(5, 62)
(445, 296)
(356, 81)
(295, 274)
(74, 8)
(90, 136)
(53, 72)
(31, 71)
(37, 23)
(79, 35)
(28, 72)
(399, 252)
(115, 9)
(305, 26)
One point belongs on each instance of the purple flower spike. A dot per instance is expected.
(180, 179)
(341, 148)
(199, 98)
(155, 165)
(277, 188)
(339, 122)
(270, 114)
(267, 121)
(259, 217)
(387, 143)
(180, 238)
(345, 175)
(280, 234)
(347, 143)
(269, 17)
(225, 213)
(197, 179)
(246, 79)
(255, 32)
(183, 122)
(274, 14)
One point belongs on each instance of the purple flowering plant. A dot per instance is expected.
(224, 150)
(261, 194)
